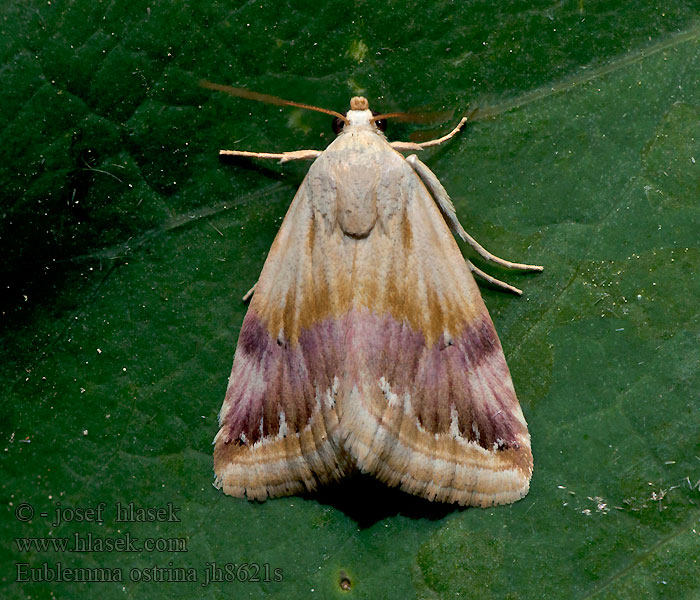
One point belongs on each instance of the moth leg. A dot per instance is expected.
(493, 281)
(447, 209)
(283, 157)
(485, 254)
(405, 146)
(249, 293)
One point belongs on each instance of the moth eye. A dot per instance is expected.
(338, 125)
(381, 123)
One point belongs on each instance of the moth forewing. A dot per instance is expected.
(367, 344)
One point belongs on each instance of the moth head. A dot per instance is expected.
(359, 115)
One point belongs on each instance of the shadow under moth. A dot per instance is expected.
(366, 344)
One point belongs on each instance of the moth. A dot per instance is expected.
(366, 344)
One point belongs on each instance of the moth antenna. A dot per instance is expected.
(243, 93)
(416, 117)
(394, 115)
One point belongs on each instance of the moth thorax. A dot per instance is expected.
(359, 103)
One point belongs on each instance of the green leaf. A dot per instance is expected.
(127, 246)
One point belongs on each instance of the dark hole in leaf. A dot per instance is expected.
(344, 582)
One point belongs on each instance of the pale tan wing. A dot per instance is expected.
(428, 403)
(278, 422)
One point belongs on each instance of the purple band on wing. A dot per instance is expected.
(467, 374)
